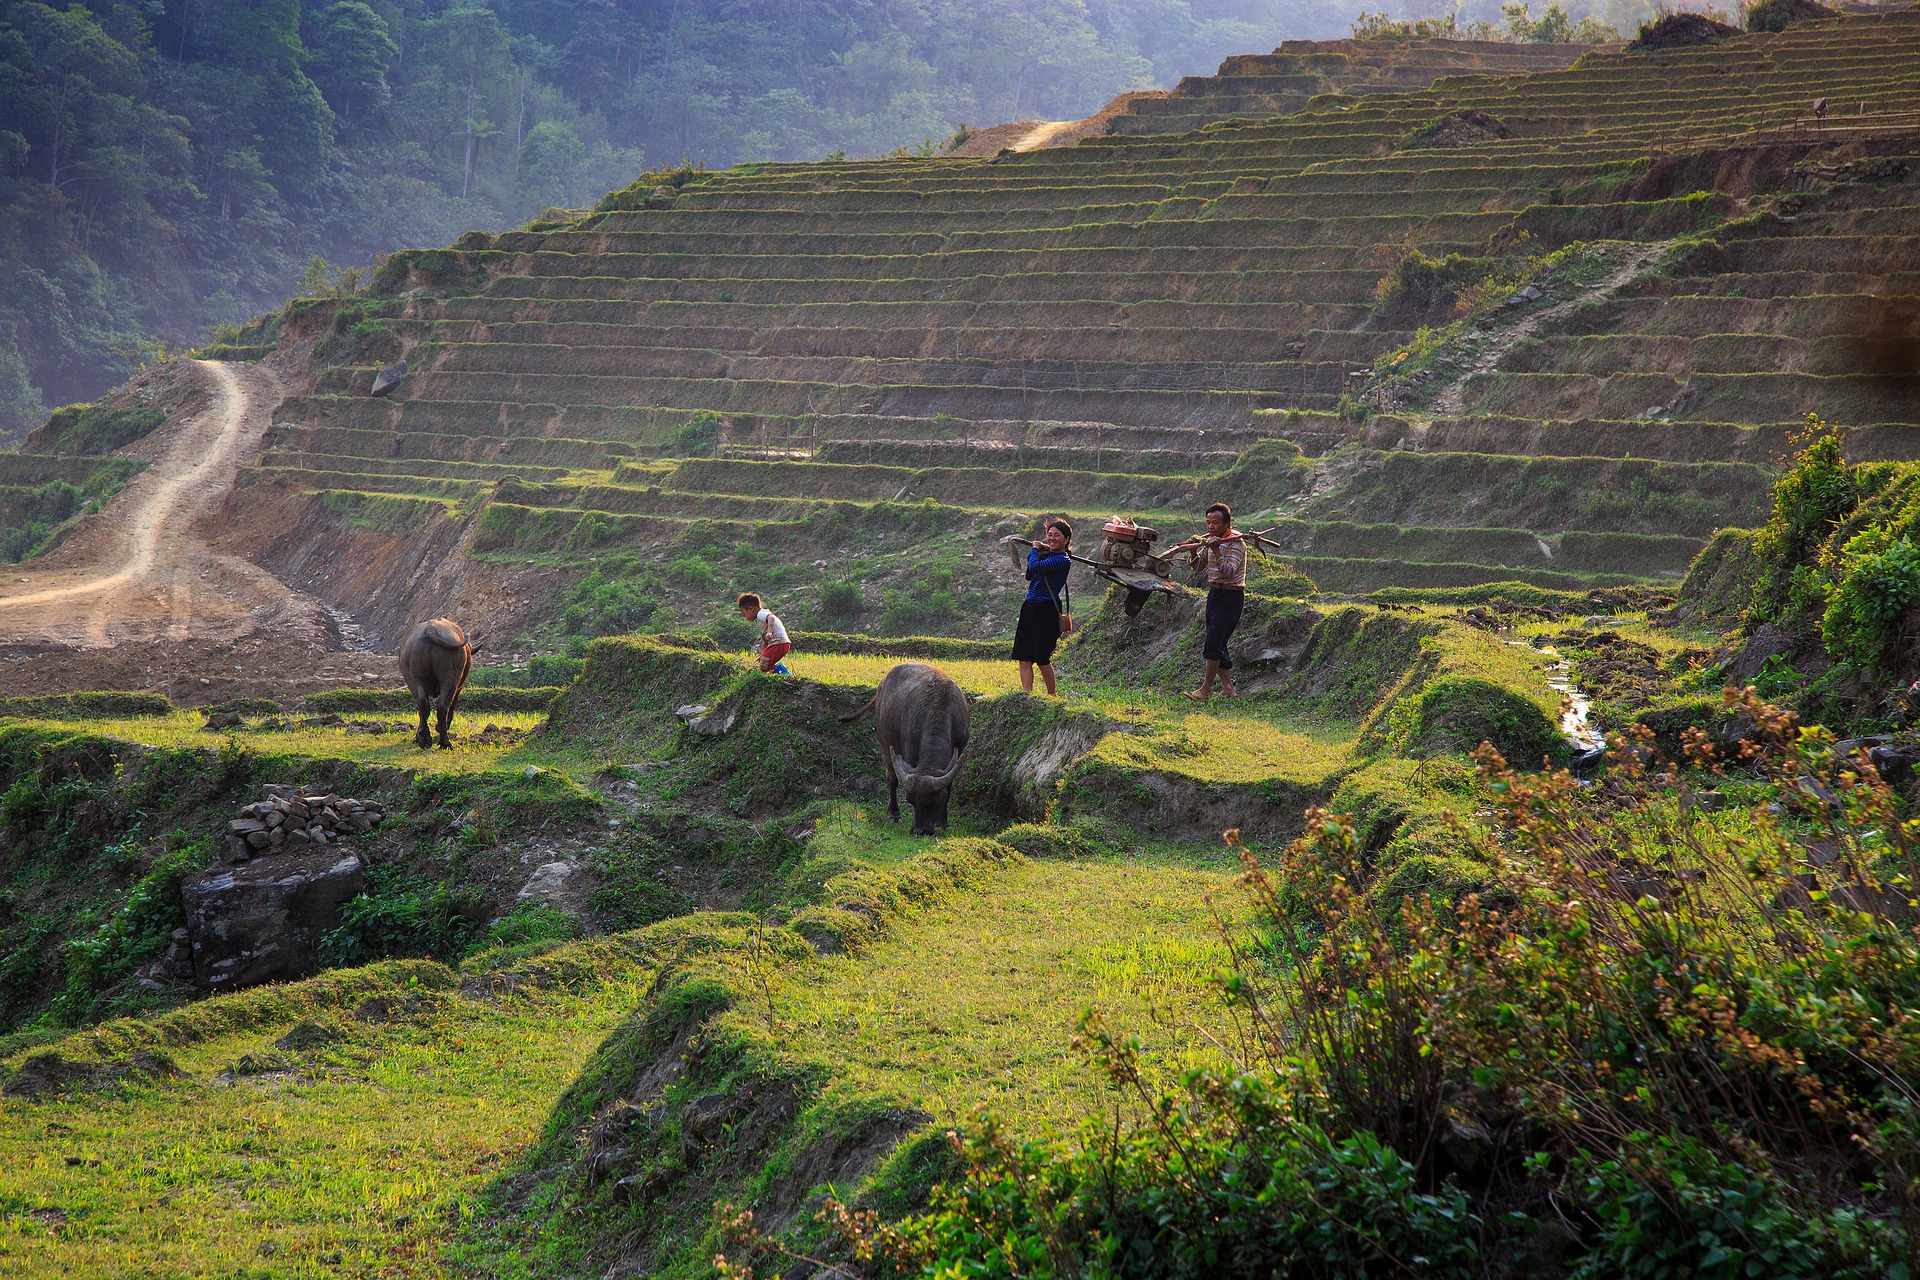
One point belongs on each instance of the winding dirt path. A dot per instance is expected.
(137, 597)
(200, 464)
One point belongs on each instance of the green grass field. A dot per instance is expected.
(354, 1157)
(976, 1004)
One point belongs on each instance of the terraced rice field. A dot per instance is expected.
(1111, 326)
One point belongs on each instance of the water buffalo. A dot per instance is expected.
(435, 658)
(920, 717)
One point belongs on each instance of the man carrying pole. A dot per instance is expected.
(1222, 553)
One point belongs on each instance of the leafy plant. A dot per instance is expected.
(697, 437)
(402, 916)
(139, 931)
(1818, 491)
(600, 605)
(696, 573)
(842, 601)
(1878, 582)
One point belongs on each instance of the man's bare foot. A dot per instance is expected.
(1195, 695)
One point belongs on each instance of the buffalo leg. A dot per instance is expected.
(893, 786)
(443, 717)
(423, 739)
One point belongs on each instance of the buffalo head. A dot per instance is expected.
(927, 792)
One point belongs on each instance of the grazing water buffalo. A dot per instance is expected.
(435, 658)
(920, 717)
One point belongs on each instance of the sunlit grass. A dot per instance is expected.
(186, 729)
(353, 1162)
(1218, 748)
(977, 1004)
(975, 675)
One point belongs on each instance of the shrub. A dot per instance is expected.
(1555, 26)
(698, 437)
(1778, 15)
(1879, 580)
(139, 931)
(601, 606)
(842, 601)
(1422, 284)
(401, 916)
(694, 572)
(731, 631)
(1670, 1207)
(1817, 493)
(916, 609)
(1680, 31)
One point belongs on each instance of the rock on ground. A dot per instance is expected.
(261, 921)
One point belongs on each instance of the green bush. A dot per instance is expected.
(402, 916)
(842, 601)
(696, 573)
(600, 605)
(730, 631)
(139, 931)
(1778, 15)
(1879, 580)
(23, 807)
(1669, 1207)
(931, 603)
(1422, 284)
(698, 437)
(1248, 1195)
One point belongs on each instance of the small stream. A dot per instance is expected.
(1576, 716)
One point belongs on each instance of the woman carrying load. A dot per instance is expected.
(1045, 606)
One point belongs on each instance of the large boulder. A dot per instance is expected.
(260, 921)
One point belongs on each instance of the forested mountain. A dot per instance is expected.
(168, 165)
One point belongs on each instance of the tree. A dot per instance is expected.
(1555, 26)
(20, 407)
(552, 154)
(352, 49)
(74, 74)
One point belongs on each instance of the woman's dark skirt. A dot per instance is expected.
(1038, 632)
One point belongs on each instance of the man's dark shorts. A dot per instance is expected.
(1224, 607)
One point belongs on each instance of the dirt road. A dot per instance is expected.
(136, 597)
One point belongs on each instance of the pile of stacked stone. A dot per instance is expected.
(292, 818)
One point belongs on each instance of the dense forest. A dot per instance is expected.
(167, 166)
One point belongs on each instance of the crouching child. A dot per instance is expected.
(774, 644)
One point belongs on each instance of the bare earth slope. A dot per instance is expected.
(135, 597)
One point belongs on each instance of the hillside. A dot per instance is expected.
(1121, 324)
(1379, 968)
(168, 169)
